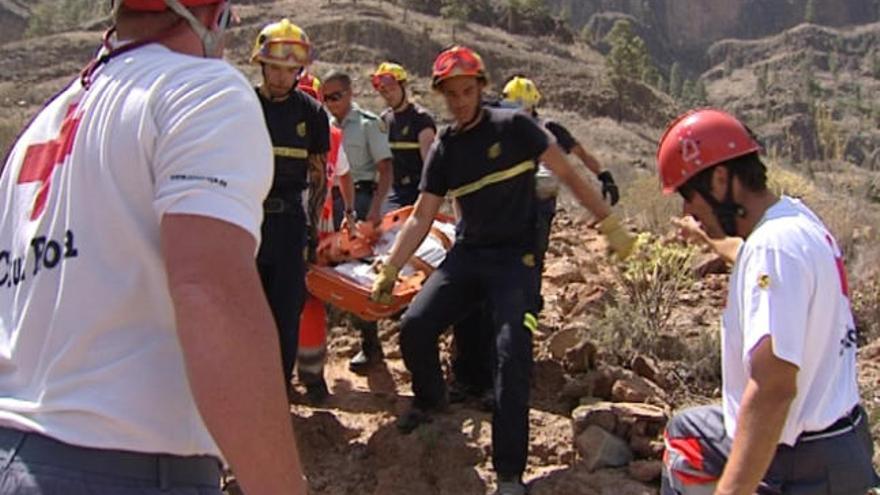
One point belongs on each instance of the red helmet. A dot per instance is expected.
(457, 61)
(159, 5)
(698, 140)
(310, 85)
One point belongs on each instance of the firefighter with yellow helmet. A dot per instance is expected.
(411, 131)
(300, 133)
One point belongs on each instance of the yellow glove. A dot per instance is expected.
(384, 284)
(619, 239)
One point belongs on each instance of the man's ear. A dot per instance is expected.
(720, 177)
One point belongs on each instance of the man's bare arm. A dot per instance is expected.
(385, 178)
(426, 139)
(230, 347)
(414, 229)
(583, 192)
(771, 389)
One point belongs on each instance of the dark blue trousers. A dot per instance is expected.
(282, 267)
(503, 279)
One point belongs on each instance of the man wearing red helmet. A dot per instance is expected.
(131, 211)
(486, 161)
(790, 421)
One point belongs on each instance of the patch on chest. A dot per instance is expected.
(494, 151)
(764, 281)
(404, 131)
(301, 129)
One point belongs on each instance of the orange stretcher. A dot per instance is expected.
(344, 273)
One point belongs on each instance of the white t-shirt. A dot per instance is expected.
(789, 284)
(89, 353)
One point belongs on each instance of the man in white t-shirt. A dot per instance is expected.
(137, 350)
(790, 420)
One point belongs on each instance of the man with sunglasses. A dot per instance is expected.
(486, 161)
(300, 132)
(365, 140)
(411, 131)
(136, 347)
(790, 419)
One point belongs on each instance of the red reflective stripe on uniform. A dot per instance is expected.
(313, 324)
(689, 448)
(841, 266)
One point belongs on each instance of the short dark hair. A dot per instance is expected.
(750, 170)
(340, 76)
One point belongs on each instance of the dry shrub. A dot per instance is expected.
(783, 181)
(643, 202)
(649, 285)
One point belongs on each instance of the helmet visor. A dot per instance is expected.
(381, 80)
(286, 52)
(457, 62)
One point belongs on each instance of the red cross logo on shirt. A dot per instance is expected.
(41, 160)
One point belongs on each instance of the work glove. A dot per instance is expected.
(609, 189)
(349, 223)
(619, 239)
(383, 286)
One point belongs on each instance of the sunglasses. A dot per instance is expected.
(335, 96)
(286, 51)
(381, 80)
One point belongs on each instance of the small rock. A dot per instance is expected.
(563, 341)
(600, 414)
(602, 449)
(646, 448)
(645, 367)
(637, 389)
(580, 358)
(645, 471)
(603, 382)
(563, 272)
(575, 389)
(640, 412)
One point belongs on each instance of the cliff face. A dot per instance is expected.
(13, 20)
(686, 28)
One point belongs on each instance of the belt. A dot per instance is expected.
(364, 184)
(165, 471)
(279, 205)
(842, 426)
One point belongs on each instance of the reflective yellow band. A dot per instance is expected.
(493, 178)
(403, 145)
(531, 322)
(290, 152)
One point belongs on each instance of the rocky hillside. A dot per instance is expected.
(684, 29)
(607, 374)
(13, 19)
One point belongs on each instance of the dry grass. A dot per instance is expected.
(643, 203)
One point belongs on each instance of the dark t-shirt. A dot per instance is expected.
(299, 127)
(403, 136)
(563, 138)
(490, 170)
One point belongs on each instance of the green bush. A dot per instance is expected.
(649, 285)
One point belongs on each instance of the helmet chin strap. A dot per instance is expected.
(726, 211)
(211, 40)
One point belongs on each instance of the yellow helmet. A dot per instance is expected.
(389, 69)
(522, 91)
(282, 43)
